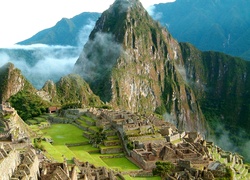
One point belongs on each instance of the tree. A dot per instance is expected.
(163, 169)
(98, 137)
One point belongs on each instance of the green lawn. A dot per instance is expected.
(67, 133)
(127, 177)
(86, 157)
(87, 148)
(123, 164)
(88, 118)
(52, 152)
(64, 133)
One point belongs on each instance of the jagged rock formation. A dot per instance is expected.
(70, 89)
(135, 64)
(11, 82)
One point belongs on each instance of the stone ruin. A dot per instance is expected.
(77, 170)
(18, 165)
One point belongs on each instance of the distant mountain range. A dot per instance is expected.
(218, 25)
(66, 32)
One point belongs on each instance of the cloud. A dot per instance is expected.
(98, 57)
(155, 15)
(223, 140)
(40, 63)
(171, 119)
(84, 33)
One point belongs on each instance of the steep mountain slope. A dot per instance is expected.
(220, 25)
(135, 64)
(12, 81)
(64, 32)
(221, 84)
(70, 89)
(29, 102)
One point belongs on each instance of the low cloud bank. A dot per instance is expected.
(224, 141)
(45, 63)
(155, 15)
(41, 62)
(98, 57)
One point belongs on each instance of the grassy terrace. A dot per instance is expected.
(70, 134)
(141, 178)
(87, 118)
(64, 133)
(122, 164)
(244, 175)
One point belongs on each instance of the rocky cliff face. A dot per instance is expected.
(221, 84)
(11, 82)
(135, 64)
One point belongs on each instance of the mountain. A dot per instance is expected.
(65, 32)
(30, 102)
(218, 25)
(12, 81)
(39, 63)
(221, 84)
(70, 89)
(133, 63)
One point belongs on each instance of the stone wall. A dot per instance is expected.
(146, 165)
(173, 137)
(8, 164)
(111, 150)
(60, 120)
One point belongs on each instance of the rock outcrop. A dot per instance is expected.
(12, 81)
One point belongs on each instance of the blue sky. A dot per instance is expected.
(20, 19)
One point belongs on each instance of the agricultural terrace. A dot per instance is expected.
(63, 136)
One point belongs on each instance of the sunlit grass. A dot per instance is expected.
(123, 164)
(127, 177)
(64, 133)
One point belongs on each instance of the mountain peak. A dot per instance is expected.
(129, 61)
(116, 19)
(125, 5)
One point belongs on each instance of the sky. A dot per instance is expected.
(21, 19)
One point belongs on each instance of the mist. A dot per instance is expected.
(40, 62)
(171, 119)
(46, 63)
(98, 57)
(223, 140)
(155, 15)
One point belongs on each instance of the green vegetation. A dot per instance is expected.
(98, 137)
(127, 177)
(64, 133)
(163, 169)
(215, 25)
(122, 164)
(28, 105)
(70, 134)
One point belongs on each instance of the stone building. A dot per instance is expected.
(54, 171)
(18, 165)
